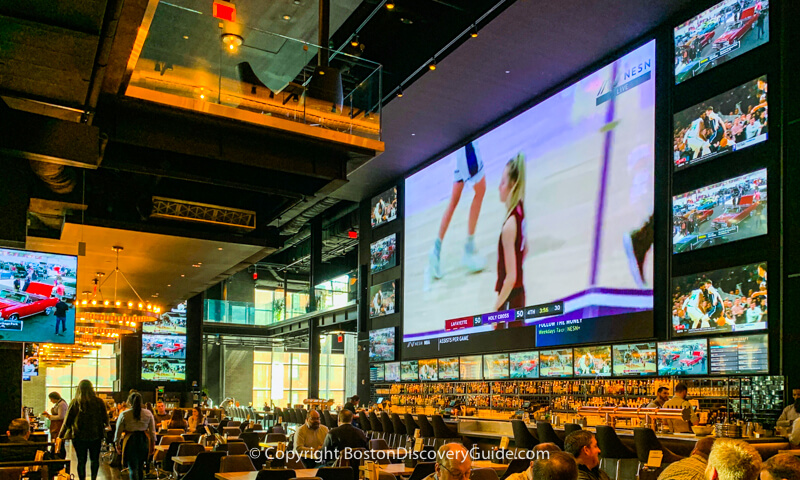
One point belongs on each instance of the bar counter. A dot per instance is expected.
(483, 430)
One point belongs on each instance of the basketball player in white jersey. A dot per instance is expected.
(694, 138)
(692, 307)
(717, 305)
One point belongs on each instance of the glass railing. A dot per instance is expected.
(247, 313)
(192, 60)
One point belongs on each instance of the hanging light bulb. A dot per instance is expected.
(354, 41)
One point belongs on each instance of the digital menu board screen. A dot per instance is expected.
(470, 367)
(495, 367)
(636, 359)
(593, 361)
(448, 368)
(376, 373)
(555, 363)
(746, 354)
(685, 357)
(524, 364)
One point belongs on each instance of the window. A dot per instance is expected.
(99, 367)
(281, 378)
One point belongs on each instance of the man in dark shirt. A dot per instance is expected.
(352, 404)
(18, 432)
(341, 437)
(583, 446)
(61, 316)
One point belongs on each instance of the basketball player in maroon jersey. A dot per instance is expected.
(512, 246)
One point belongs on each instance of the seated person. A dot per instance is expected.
(177, 420)
(19, 431)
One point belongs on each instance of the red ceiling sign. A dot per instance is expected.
(225, 11)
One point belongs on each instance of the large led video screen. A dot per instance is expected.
(726, 123)
(748, 354)
(384, 207)
(524, 364)
(593, 361)
(635, 359)
(718, 34)
(555, 363)
(553, 208)
(382, 254)
(723, 212)
(382, 298)
(382, 345)
(683, 357)
(721, 301)
(37, 296)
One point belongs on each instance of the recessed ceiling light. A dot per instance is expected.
(186, 37)
(413, 134)
(169, 285)
(297, 2)
(196, 265)
(220, 248)
(508, 71)
(182, 275)
(390, 5)
(287, 17)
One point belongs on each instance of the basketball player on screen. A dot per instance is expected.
(694, 137)
(692, 307)
(511, 248)
(717, 306)
(469, 171)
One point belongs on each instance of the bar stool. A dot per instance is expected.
(425, 428)
(377, 427)
(440, 429)
(411, 424)
(399, 427)
(571, 427)
(523, 438)
(614, 455)
(388, 428)
(546, 434)
(645, 440)
(363, 420)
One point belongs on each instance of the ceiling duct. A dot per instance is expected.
(294, 225)
(58, 178)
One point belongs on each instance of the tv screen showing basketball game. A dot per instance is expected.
(409, 371)
(564, 190)
(635, 359)
(381, 345)
(429, 370)
(392, 372)
(382, 298)
(382, 254)
(37, 296)
(555, 363)
(524, 364)
(718, 34)
(723, 212)
(726, 123)
(592, 361)
(683, 357)
(721, 301)
(384, 207)
(495, 367)
(471, 367)
(448, 368)
(746, 354)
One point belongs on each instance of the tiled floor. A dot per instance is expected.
(105, 473)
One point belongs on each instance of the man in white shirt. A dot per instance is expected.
(753, 128)
(679, 401)
(792, 412)
(308, 439)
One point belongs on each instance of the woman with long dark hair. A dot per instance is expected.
(177, 420)
(197, 421)
(135, 436)
(86, 424)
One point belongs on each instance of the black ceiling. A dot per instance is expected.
(540, 44)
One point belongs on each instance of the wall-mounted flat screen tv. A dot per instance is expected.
(383, 254)
(376, 372)
(727, 300)
(524, 364)
(448, 368)
(592, 361)
(729, 122)
(635, 359)
(382, 345)
(409, 371)
(471, 367)
(384, 207)
(429, 370)
(382, 299)
(392, 372)
(555, 363)
(719, 213)
(728, 29)
(37, 296)
(30, 361)
(495, 366)
(683, 357)
(593, 142)
(746, 354)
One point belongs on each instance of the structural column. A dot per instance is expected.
(313, 332)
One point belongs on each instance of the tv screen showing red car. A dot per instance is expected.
(718, 34)
(683, 357)
(37, 296)
(723, 212)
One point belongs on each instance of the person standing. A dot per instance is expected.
(135, 436)
(760, 24)
(512, 245)
(57, 413)
(583, 446)
(86, 424)
(662, 395)
(61, 316)
(679, 401)
(352, 404)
